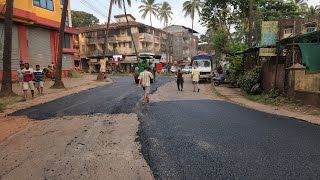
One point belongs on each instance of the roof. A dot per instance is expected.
(123, 15)
(185, 28)
(116, 26)
(202, 56)
(301, 37)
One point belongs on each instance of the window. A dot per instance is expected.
(67, 17)
(130, 45)
(310, 28)
(124, 45)
(288, 30)
(66, 43)
(115, 45)
(122, 31)
(61, 2)
(46, 4)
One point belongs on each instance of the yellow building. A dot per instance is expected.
(35, 34)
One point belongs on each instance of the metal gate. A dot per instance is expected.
(39, 47)
(15, 62)
(67, 62)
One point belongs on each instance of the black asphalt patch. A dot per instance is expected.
(219, 140)
(119, 97)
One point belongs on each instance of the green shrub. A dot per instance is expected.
(250, 82)
(76, 74)
(2, 107)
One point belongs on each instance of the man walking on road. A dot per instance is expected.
(144, 80)
(39, 79)
(20, 76)
(195, 76)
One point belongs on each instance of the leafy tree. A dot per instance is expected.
(165, 13)
(83, 19)
(149, 6)
(6, 84)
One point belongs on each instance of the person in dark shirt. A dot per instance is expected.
(180, 80)
(39, 79)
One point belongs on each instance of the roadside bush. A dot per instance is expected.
(235, 70)
(250, 82)
(76, 74)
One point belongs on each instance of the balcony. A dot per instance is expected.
(145, 37)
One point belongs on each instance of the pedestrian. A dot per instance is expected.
(20, 76)
(144, 80)
(195, 76)
(220, 71)
(39, 79)
(28, 78)
(180, 80)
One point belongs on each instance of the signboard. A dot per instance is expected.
(269, 33)
(102, 65)
(131, 59)
(117, 58)
(267, 52)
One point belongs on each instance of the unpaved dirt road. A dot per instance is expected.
(78, 147)
(89, 135)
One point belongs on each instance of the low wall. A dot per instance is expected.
(307, 81)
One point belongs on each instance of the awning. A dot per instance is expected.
(310, 55)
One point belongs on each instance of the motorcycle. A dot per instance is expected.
(218, 80)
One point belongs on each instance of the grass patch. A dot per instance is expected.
(275, 101)
(316, 113)
(8, 100)
(76, 74)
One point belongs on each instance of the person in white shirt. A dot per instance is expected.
(145, 80)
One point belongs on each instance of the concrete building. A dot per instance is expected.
(184, 42)
(120, 51)
(299, 25)
(35, 34)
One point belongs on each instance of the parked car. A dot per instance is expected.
(173, 69)
(187, 70)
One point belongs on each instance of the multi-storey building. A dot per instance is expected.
(184, 42)
(35, 34)
(120, 48)
(299, 25)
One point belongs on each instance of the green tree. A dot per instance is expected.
(6, 84)
(149, 6)
(83, 19)
(302, 4)
(165, 13)
(58, 84)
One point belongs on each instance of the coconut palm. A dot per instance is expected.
(191, 7)
(129, 28)
(6, 84)
(149, 6)
(165, 13)
(302, 4)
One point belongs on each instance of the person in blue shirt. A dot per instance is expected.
(39, 79)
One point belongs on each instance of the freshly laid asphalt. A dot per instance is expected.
(119, 97)
(202, 139)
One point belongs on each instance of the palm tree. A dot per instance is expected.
(191, 7)
(165, 13)
(58, 84)
(312, 11)
(149, 6)
(302, 4)
(129, 27)
(6, 85)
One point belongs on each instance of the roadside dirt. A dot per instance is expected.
(81, 147)
(11, 125)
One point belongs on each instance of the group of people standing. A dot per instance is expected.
(30, 79)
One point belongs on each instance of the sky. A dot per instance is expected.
(99, 8)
